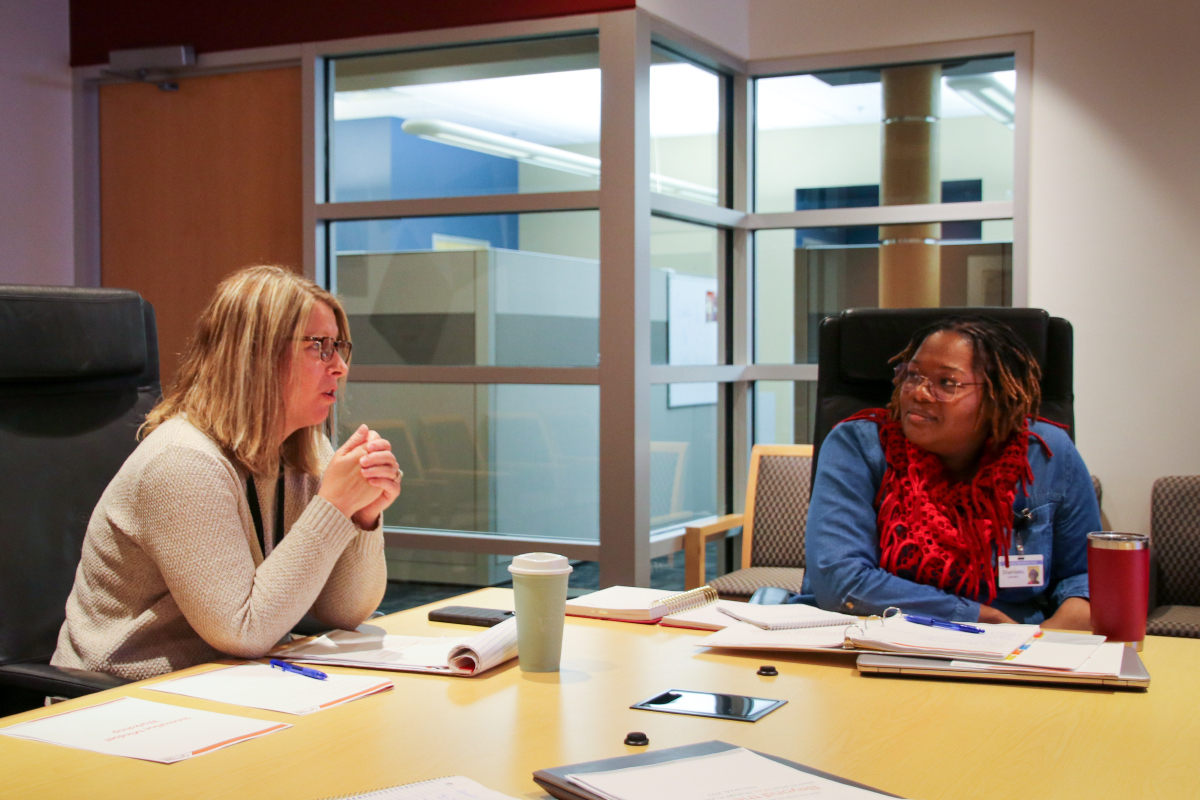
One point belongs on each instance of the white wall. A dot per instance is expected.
(722, 22)
(36, 203)
(1115, 200)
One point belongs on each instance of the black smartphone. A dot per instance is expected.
(710, 704)
(466, 615)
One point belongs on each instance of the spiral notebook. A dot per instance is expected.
(637, 604)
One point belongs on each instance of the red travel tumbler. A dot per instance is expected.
(1119, 582)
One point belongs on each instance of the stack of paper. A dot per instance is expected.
(452, 788)
(897, 635)
(142, 729)
(261, 686)
(744, 636)
(1084, 657)
(787, 617)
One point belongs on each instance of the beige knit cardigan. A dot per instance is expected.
(172, 574)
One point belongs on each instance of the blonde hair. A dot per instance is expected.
(230, 382)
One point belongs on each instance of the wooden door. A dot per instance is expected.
(195, 184)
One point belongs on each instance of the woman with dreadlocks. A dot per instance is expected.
(942, 503)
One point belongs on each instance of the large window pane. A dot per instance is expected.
(683, 459)
(684, 293)
(487, 119)
(502, 289)
(784, 412)
(819, 137)
(504, 459)
(802, 276)
(684, 126)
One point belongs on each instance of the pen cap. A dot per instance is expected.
(540, 564)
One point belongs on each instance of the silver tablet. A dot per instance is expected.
(1133, 673)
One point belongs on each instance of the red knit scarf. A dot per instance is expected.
(939, 531)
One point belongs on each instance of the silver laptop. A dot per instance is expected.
(1133, 674)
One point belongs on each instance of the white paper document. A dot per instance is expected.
(452, 788)
(1056, 650)
(261, 686)
(141, 729)
(448, 655)
(736, 774)
(744, 636)
(1104, 660)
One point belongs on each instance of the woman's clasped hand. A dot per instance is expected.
(363, 478)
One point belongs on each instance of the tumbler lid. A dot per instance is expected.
(1112, 540)
(540, 564)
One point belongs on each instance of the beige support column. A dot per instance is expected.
(909, 255)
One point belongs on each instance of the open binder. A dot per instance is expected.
(1018, 646)
(373, 649)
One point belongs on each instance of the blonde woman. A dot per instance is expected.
(234, 516)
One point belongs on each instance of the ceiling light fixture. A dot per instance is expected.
(540, 155)
(987, 94)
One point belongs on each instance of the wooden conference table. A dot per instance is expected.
(916, 738)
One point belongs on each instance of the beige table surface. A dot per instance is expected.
(916, 738)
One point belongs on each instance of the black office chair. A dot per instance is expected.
(78, 372)
(854, 348)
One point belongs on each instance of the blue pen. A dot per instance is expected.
(941, 623)
(305, 671)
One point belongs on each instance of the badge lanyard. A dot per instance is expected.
(256, 511)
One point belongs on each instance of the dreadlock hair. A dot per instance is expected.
(1010, 374)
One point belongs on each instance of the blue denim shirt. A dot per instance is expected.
(842, 539)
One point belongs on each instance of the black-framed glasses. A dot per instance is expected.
(942, 388)
(329, 345)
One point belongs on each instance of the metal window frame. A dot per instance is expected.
(625, 204)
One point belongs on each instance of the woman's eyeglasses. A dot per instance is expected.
(943, 389)
(329, 345)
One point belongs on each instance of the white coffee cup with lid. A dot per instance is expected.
(540, 588)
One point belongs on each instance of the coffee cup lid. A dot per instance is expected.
(540, 564)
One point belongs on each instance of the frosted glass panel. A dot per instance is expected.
(502, 290)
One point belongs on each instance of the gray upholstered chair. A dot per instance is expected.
(777, 493)
(1175, 543)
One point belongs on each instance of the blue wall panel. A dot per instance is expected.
(375, 160)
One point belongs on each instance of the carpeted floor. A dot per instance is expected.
(666, 572)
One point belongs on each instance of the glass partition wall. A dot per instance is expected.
(583, 269)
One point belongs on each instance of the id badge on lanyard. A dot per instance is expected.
(1022, 570)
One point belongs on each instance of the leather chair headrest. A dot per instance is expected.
(870, 337)
(56, 332)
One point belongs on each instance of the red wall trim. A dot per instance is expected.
(98, 26)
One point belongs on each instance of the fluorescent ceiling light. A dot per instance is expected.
(989, 95)
(540, 155)
(805, 101)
